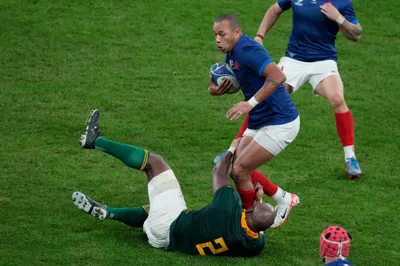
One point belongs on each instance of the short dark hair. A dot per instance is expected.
(233, 22)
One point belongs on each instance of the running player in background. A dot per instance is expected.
(311, 57)
(222, 228)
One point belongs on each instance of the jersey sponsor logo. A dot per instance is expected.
(314, 2)
(298, 2)
(214, 250)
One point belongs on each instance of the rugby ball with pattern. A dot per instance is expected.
(220, 72)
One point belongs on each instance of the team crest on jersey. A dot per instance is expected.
(234, 64)
(298, 2)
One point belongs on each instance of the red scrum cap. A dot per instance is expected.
(334, 242)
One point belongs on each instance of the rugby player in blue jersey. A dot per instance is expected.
(311, 57)
(273, 121)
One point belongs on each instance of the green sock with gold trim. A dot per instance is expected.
(130, 155)
(134, 217)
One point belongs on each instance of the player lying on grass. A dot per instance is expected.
(334, 246)
(221, 228)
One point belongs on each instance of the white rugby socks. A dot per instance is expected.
(348, 152)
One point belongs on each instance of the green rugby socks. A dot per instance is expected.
(134, 217)
(130, 155)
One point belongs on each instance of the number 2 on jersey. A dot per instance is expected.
(209, 244)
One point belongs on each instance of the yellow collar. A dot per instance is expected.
(246, 228)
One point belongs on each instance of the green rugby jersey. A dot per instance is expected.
(218, 229)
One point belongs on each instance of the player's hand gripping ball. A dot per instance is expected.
(221, 71)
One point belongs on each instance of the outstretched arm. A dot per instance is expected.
(270, 17)
(219, 174)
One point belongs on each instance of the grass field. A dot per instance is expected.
(145, 65)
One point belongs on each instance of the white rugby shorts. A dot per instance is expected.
(275, 138)
(297, 72)
(166, 204)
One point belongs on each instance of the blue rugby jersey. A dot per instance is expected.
(339, 263)
(248, 59)
(313, 35)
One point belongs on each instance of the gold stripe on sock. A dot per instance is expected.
(146, 157)
(146, 208)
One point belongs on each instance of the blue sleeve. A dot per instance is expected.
(255, 58)
(285, 4)
(348, 12)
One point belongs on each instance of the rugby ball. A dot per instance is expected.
(221, 71)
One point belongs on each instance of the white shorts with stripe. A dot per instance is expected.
(275, 138)
(297, 72)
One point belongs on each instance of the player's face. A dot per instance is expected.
(226, 36)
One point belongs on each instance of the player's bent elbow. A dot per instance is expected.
(283, 78)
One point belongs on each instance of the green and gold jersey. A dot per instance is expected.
(218, 229)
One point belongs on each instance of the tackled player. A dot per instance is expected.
(221, 228)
